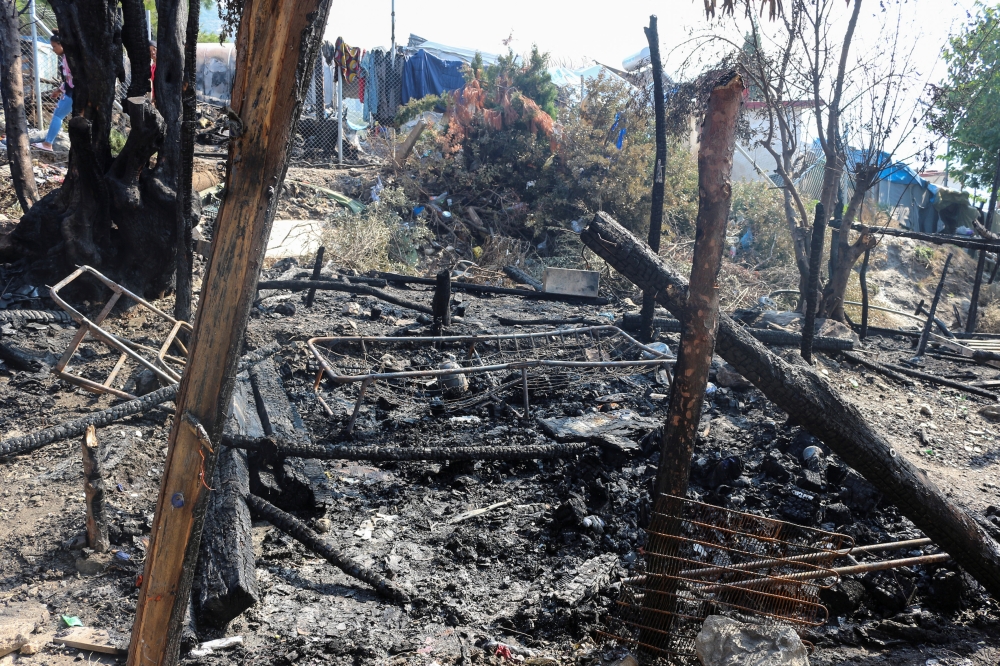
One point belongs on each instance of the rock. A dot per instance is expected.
(949, 589)
(926, 410)
(18, 622)
(725, 642)
(93, 565)
(791, 321)
(991, 412)
(857, 493)
(35, 643)
(351, 309)
(571, 512)
(778, 466)
(839, 514)
(146, 382)
(323, 525)
(727, 377)
(831, 328)
(811, 481)
(844, 597)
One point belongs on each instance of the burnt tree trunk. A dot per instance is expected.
(656, 211)
(848, 253)
(117, 214)
(687, 395)
(188, 204)
(812, 402)
(12, 90)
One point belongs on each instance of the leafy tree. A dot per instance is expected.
(967, 104)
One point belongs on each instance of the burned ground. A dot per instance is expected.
(502, 574)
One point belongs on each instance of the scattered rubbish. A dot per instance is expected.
(590, 578)
(571, 282)
(726, 642)
(208, 647)
(660, 348)
(71, 621)
(506, 650)
(588, 427)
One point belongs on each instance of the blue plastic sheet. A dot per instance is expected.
(425, 74)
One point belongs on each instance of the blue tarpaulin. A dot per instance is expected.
(425, 74)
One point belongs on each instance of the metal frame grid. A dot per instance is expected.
(444, 366)
(128, 349)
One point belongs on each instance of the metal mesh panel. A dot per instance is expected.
(705, 560)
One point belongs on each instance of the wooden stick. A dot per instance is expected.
(276, 45)
(694, 358)
(864, 295)
(315, 275)
(812, 294)
(812, 402)
(441, 305)
(93, 487)
(922, 345)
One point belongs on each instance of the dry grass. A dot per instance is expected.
(378, 238)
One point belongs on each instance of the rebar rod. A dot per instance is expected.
(277, 449)
(299, 531)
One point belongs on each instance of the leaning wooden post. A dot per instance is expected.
(970, 322)
(93, 487)
(275, 46)
(715, 163)
(656, 211)
(812, 295)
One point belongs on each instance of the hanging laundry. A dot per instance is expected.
(388, 77)
(370, 95)
(425, 74)
(347, 59)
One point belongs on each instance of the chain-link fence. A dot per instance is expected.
(370, 93)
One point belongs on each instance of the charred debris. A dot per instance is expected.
(493, 460)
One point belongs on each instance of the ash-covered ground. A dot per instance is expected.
(509, 573)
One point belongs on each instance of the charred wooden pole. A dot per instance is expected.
(442, 301)
(929, 324)
(276, 45)
(317, 268)
(811, 401)
(656, 212)
(694, 358)
(970, 322)
(93, 487)
(864, 294)
(812, 295)
(12, 91)
(187, 208)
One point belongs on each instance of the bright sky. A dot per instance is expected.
(578, 33)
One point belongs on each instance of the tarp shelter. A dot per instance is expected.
(445, 52)
(426, 74)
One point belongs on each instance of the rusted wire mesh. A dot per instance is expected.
(703, 560)
(453, 373)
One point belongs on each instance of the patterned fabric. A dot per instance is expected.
(347, 60)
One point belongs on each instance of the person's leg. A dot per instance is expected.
(63, 109)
